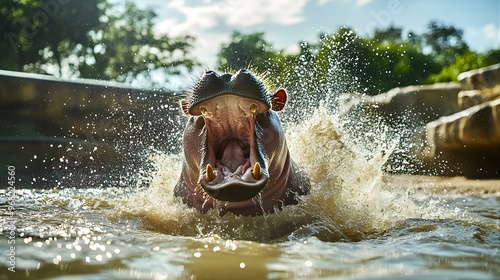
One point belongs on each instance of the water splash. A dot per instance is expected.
(344, 156)
(347, 200)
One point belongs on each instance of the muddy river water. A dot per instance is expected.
(357, 223)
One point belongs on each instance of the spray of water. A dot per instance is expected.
(343, 155)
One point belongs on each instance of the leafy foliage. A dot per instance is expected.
(89, 39)
(124, 46)
(343, 61)
(445, 42)
(38, 33)
(245, 51)
(103, 39)
(464, 62)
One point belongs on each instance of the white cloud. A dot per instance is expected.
(195, 18)
(196, 21)
(235, 13)
(359, 3)
(483, 38)
(492, 33)
(199, 20)
(249, 13)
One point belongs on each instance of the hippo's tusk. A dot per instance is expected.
(256, 171)
(210, 175)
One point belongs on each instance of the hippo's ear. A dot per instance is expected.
(185, 106)
(278, 100)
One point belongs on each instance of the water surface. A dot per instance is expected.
(357, 223)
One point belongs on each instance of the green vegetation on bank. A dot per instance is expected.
(386, 60)
(88, 39)
(112, 40)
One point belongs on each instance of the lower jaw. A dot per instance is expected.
(265, 202)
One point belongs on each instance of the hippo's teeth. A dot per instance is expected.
(210, 175)
(256, 171)
(253, 108)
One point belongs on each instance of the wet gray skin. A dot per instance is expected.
(235, 152)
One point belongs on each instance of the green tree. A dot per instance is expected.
(465, 62)
(124, 47)
(344, 62)
(91, 39)
(492, 57)
(337, 63)
(392, 34)
(452, 53)
(245, 51)
(396, 62)
(445, 42)
(37, 33)
(373, 65)
(341, 61)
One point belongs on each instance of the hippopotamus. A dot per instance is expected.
(235, 154)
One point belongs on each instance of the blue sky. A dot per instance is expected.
(287, 22)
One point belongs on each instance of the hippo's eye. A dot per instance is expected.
(253, 108)
(203, 111)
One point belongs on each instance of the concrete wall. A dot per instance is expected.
(56, 131)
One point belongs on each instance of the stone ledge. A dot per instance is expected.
(463, 144)
(478, 126)
(102, 127)
(448, 129)
(411, 105)
(486, 77)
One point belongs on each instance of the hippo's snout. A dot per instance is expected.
(233, 167)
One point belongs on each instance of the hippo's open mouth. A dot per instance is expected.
(235, 152)
(233, 168)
